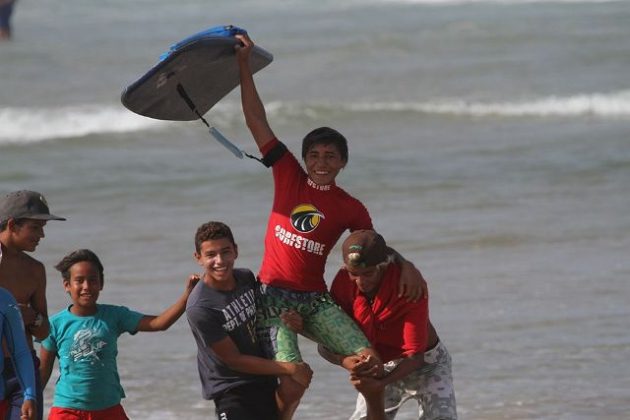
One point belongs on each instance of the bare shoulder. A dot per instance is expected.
(23, 276)
(33, 268)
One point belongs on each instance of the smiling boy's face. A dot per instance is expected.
(84, 285)
(217, 257)
(323, 163)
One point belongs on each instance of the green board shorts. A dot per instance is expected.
(323, 321)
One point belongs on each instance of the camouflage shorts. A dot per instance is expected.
(323, 320)
(431, 386)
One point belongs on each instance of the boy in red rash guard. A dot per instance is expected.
(309, 214)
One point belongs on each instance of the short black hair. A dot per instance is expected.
(5, 223)
(325, 136)
(212, 230)
(78, 256)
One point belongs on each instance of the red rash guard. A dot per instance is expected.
(306, 221)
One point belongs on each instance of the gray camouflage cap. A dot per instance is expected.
(25, 205)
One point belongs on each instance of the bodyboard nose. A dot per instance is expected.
(204, 65)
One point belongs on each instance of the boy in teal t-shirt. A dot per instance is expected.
(84, 338)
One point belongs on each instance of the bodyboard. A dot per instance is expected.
(202, 67)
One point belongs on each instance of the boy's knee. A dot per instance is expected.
(290, 391)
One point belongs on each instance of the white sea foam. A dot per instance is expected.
(28, 125)
(598, 105)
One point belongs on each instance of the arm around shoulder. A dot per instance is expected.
(412, 284)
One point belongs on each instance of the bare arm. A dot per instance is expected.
(229, 354)
(412, 284)
(253, 108)
(404, 368)
(39, 308)
(167, 318)
(47, 362)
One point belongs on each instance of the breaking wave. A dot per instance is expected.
(28, 125)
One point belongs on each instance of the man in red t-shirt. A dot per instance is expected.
(417, 364)
(309, 214)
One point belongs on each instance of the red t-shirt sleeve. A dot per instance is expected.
(416, 334)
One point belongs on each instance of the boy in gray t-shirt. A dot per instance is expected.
(221, 311)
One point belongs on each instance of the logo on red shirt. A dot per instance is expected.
(305, 218)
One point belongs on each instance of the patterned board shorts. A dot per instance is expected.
(323, 320)
(431, 386)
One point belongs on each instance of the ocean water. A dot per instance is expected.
(489, 139)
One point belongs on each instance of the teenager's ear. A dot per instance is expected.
(235, 251)
(197, 256)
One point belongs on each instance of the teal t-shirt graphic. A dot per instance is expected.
(87, 348)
